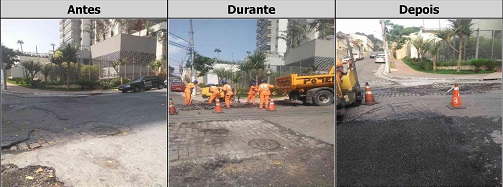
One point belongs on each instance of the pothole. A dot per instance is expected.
(263, 144)
(105, 130)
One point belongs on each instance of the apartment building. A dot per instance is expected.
(70, 31)
(269, 32)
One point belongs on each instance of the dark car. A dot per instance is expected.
(177, 86)
(142, 83)
(372, 55)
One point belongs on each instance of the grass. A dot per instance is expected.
(417, 68)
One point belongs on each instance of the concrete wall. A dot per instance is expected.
(321, 48)
(137, 43)
(213, 78)
(108, 46)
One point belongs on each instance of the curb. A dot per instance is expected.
(56, 94)
(400, 78)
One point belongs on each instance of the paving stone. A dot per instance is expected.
(23, 146)
(13, 148)
(35, 145)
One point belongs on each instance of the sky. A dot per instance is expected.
(232, 36)
(372, 26)
(34, 32)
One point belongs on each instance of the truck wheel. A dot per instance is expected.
(323, 98)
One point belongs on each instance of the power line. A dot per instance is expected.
(202, 25)
(179, 45)
(179, 37)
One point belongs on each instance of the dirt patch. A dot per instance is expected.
(29, 176)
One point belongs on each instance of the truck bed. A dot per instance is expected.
(295, 82)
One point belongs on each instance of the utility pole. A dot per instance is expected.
(386, 66)
(477, 45)
(193, 58)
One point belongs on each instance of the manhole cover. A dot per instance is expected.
(263, 144)
(104, 130)
(215, 131)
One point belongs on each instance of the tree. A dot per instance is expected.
(9, 58)
(378, 45)
(222, 73)
(20, 42)
(296, 34)
(434, 49)
(68, 55)
(217, 50)
(358, 43)
(31, 68)
(235, 78)
(422, 46)
(46, 70)
(461, 27)
(395, 36)
(116, 65)
(255, 65)
(103, 27)
(203, 64)
(57, 60)
(325, 27)
(156, 66)
(127, 25)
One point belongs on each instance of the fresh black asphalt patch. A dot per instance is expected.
(425, 149)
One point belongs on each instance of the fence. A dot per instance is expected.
(128, 70)
(486, 45)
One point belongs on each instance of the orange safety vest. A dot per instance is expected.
(253, 90)
(227, 89)
(189, 87)
(214, 89)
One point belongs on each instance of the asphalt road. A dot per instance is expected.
(411, 138)
(81, 152)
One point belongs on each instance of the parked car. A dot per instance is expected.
(177, 86)
(380, 58)
(345, 60)
(357, 56)
(166, 83)
(142, 83)
(372, 55)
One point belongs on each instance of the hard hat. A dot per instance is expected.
(195, 82)
(339, 63)
(209, 84)
(224, 82)
(262, 81)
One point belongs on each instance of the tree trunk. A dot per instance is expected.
(68, 75)
(434, 63)
(459, 54)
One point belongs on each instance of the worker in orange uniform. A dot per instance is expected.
(339, 71)
(188, 92)
(215, 93)
(251, 93)
(228, 93)
(265, 92)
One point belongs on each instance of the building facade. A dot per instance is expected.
(269, 32)
(70, 31)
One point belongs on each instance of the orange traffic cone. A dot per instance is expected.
(172, 110)
(369, 97)
(456, 99)
(218, 108)
(271, 106)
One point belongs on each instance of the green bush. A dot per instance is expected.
(86, 84)
(37, 84)
(17, 80)
(479, 63)
(492, 64)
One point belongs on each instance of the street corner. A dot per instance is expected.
(38, 175)
(246, 151)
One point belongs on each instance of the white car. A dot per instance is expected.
(346, 60)
(380, 58)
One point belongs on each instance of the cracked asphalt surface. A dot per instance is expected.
(103, 140)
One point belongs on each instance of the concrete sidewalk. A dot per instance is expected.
(404, 72)
(14, 89)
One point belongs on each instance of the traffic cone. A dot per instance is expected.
(172, 110)
(456, 99)
(271, 106)
(218, 108)
(369, 97)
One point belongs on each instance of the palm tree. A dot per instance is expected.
(217, 50)
(20, 42)
(434, 49)
(257, 64)
(56, 59)
(422, 46)
(46, 70)
(69, 53)
(325, 27)
(102, 27)
(461, 27)
(221, 73)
